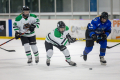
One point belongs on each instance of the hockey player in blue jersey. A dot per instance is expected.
(99, 29)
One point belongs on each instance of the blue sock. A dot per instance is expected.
(87, 50)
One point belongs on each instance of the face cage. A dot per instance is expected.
(60, 31)
(27, 14)
(103, 18)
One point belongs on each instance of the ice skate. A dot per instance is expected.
(85, 57)
(102, 60)
(36, 59)
(71, 63)
(29, 61)
(48, 62)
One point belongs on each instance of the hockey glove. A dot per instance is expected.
(70, 40)
(104, 36)
(94, 37)
(17, 35)
(32, 27)
(73, 40)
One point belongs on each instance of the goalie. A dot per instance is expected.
(59, 38)
(26, 23)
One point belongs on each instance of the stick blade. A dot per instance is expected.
(11, 50)
(108, 47)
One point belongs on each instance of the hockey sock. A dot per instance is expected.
(67, 55)
(102, 51)
(35, 50)
(49, 53)
(27, 50)
(87, 50)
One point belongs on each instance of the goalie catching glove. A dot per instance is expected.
(70, 40)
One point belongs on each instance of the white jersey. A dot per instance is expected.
(20, 22)
(57, 38)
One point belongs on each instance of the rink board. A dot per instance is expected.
(76, 27)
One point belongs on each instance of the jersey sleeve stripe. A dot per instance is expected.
(63, 41)
(47, 38)
(16, 29)
(52, 40)
(37, 25)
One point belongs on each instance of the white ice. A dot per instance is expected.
(13, 65)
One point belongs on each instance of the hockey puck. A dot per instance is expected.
(90, 68)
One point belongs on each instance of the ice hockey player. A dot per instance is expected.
(59, 38)
(99, 29)
(26, 23)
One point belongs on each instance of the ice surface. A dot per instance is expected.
(13, 65)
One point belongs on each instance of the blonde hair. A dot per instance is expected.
(98, 15)
(21, 13)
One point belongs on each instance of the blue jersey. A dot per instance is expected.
(98, 28)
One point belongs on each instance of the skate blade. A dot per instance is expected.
(103, 64)
(36, 63)
(30, 64)
(48, 64)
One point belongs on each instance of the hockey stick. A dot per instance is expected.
(12, 39)
(8, 50)
(84, 39)
(9, 41)
(81, 39)
(112, 46)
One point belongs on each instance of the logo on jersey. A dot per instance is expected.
(99, 30)
(99, 24)
(91, 26)
(26, 26)
(95, 19)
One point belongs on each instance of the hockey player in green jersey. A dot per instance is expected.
(26, 23)
(59, 38)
